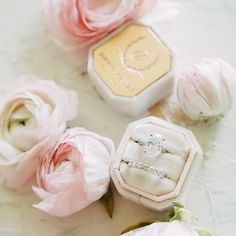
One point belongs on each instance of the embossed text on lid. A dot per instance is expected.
(132, 60)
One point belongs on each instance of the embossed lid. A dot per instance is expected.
(131, 60)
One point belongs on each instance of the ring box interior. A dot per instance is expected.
(132, 68)
(180, 163)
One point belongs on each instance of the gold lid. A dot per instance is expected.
(131, 60)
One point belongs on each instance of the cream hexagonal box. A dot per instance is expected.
(155, 163)
(132, 68)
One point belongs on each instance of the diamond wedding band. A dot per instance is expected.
(145, 167)
(153, 145)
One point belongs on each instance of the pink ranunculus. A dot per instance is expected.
(203, 90)
(173, 228)
(77, 24)
(74, 173)
(33, 114)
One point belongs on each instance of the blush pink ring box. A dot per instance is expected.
(152, 175)
(132, 68)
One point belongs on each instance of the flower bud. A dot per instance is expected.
(203, 89)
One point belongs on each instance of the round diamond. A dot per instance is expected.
(152, 169)
(139, 165)
(161, 174)
(130, 163)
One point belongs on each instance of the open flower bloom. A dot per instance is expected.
(77, 24)
(74, 173)
(203, 90)
(33, 113)
(173, 228)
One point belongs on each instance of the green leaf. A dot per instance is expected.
(179, 213)
(202, 232)
(172, 212)
(178, 204)
(139, 225)
(108, 201)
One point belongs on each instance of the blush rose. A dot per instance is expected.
(74, 173)
(76, 24)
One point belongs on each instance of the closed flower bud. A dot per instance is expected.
(203, 90)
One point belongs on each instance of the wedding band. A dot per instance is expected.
(153, 145)
(150, 169)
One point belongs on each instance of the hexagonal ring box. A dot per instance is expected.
(155, 163)
(132, 68)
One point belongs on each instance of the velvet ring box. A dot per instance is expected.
(155, 163)
(132, 68)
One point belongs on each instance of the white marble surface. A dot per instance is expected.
(201, 28)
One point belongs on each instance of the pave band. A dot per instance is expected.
(145, 167)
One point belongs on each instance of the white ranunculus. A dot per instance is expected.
(173, 228)
(203, 90)
(33, 113)
(179, 224)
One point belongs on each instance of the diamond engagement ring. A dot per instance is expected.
(145, 167)
(153, 145)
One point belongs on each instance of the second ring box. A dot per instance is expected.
(132, 68)
(155, 163)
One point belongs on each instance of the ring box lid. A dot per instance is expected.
(131, 68)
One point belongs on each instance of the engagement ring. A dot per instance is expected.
(153, 145)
